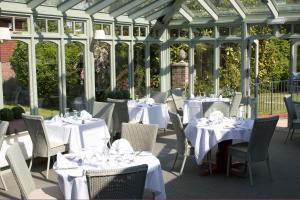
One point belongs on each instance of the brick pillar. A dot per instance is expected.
(180, 74)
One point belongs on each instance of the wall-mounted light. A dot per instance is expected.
(99, 35)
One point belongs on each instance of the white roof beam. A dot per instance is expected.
(64, 6)
(157, 14)
(35, 3)
(99, 6)
(148, 8)
(174, 8)
(272, 8)
(238, 9)
(210, 11)
(185, 15)
(126, 7)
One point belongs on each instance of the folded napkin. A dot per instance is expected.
(149, 101)
(202, 122)
(64, 163)
(131, 103)
(121, 146)
(85, 115)
(216, 116)
(56, 118)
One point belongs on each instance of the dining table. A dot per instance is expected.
(192, 108)
(204, 134)
(78, 133)
(72, 179)
(148, 113)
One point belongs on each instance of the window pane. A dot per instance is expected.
(298, 58)
(285, 29)
(155, 66)
(184, 32)
(122, 66)
(15, 71)
(118, 30)
(236, 31)
(203, 82)
(53, 26)
(47, 78)
(6, 22)
(135, 31)
(21, 24)
(139, 70)
(224, 31)
(142, 31)
(75, 75)
(102, 70)
(40, 25)
(96, 27)
(68, 27)
(106, 28)
(297, 28)
(79, 27)
(125, 30)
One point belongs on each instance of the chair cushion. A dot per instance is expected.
(52, 192)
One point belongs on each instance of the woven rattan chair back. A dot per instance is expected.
(127, 183)
(20, 170)
(142, 137)
(104, 110)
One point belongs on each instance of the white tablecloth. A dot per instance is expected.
(204, 135)
(148, 113)
(192, 108)
(73, 184)
(92, 133)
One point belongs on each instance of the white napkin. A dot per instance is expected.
(85, 115)
(131, 103)
(216, 116)
(121, 146)
(64, 163)
(149, 101)
(56, 118)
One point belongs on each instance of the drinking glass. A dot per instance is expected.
(67, 113)
(75, 114)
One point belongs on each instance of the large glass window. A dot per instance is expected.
(298, 58)
(122, 66)
(203, 83)
(139, 70)
(15, 73)
(230, 62)
(102, 70)
(47, 78)
(155, 66)
(74, 73)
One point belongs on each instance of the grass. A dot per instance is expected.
(45, 112)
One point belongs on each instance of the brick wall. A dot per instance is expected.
(180, 75)
(6, 50)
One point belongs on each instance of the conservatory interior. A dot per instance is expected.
(59, 57)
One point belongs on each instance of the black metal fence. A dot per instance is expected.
(270, 96)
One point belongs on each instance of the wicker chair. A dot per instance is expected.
(235, 104)
(209, 107)
(127, 183)
(178, 100)
(159, 97)
(293, 122)
(120, 114)
(3, 130)
(104, 110)
(24, 179)
(257, 149)
(142, 137)
(184, 148)
(42, 147)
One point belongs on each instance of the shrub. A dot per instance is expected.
(118, 94)
(17, 112)
(6, 114)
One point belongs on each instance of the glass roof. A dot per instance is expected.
(196, 8)
(223, 7)
(200, 11)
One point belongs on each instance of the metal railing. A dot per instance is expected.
(270, 96)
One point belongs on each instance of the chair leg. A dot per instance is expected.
(250, 173)
(287, 136)
(175, 161)
(228, 164)
(182, 166)
(292, 134)
(2, 180)
(209, 162)
(48, 166)
(269, 169)
(31, 161)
